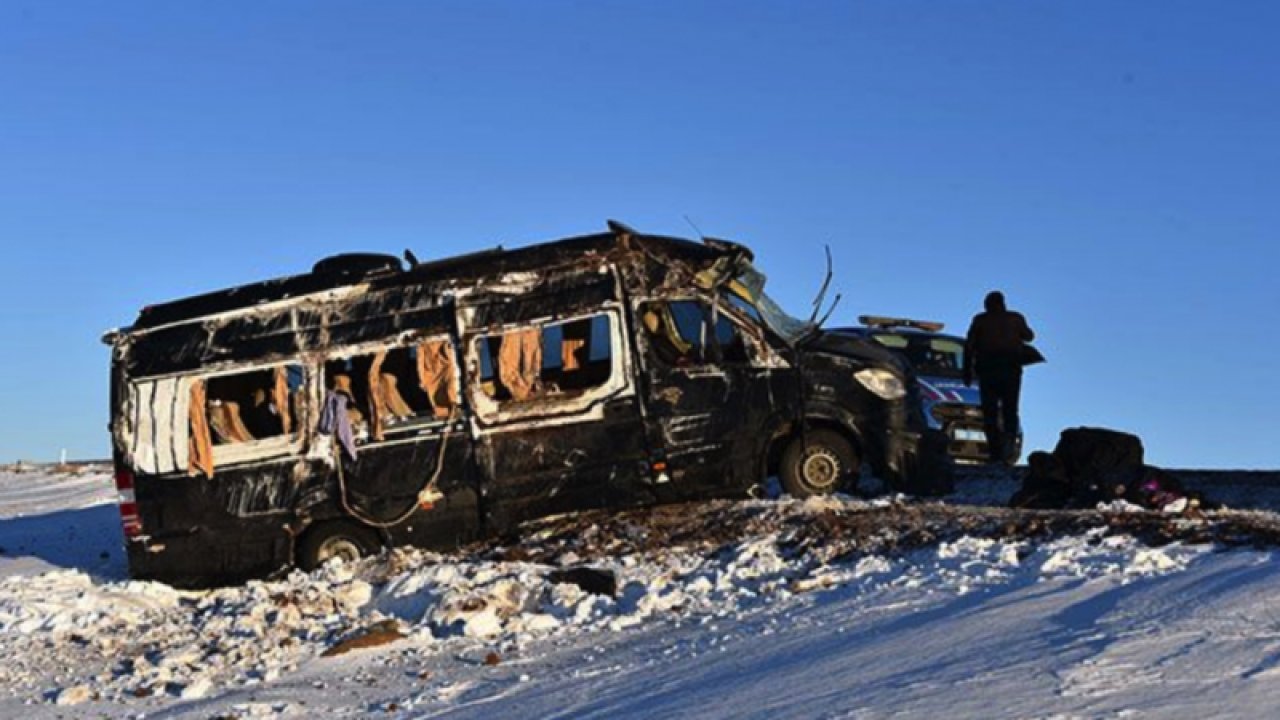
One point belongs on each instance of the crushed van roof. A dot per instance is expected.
(479, 264)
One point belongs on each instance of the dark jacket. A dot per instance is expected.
(996, 338)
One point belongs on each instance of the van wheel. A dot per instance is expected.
(820, 463)
(337, 539)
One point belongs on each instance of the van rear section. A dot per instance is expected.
(223, 476)
(166, 540)
(180, 528)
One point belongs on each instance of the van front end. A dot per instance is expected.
(875, 394)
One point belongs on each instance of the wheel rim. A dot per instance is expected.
(344, 548)
(820, 469)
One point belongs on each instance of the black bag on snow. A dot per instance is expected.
(1045, 485)
(1100, 463)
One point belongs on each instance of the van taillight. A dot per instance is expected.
(129, 517)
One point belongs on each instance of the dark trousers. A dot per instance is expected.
(1000, 388)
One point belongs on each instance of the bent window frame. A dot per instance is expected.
(159, 409)
(423, 419)
(491, 411)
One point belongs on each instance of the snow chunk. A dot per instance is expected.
(74, 695)
(196, 689)
(483, 624)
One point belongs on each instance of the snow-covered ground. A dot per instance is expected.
(1094, 624)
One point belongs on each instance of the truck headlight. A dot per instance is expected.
(881, 382)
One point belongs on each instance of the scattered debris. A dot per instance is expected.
(74, 695)
(592, 580)
(380, 633)
(143, 641)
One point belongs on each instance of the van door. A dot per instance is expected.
(413, 472)
(557, 420)
(708, 395)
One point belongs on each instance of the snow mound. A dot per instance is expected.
(132, 640)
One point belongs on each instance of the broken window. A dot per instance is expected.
(743, 306)
(251, 405)
(237, 410)
(191, 424)
(396, 388)
(200, 440)
(682, 333)
(436, 376)
(244, 407)
(554, 360)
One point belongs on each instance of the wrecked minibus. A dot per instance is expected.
(373, 403)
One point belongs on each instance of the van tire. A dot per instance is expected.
(818, 463)
(336, 538)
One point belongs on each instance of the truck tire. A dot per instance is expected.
(335, 539)
(820, 463)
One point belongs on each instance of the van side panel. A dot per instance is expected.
(382, 489)
(539, 471)
(548, 456)
(215, 530)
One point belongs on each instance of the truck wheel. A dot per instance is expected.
(337, 539)
(820, 463)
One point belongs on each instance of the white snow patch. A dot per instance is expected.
(1080, 626)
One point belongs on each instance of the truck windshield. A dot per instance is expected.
(931, 355)
(789, 328)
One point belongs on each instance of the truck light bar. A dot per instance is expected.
(879, 321)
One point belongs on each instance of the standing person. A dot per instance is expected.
(994, 350)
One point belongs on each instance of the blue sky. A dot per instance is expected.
(1113, 166)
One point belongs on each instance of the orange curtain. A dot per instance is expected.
(227, 424)
(569, 348)
(575, 336)
(392, 400)
(280, 397)
(377, 403)
(435, 375)
(520, 362)
(199, 443)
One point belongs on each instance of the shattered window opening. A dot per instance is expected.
(680, 334)
(395, 389)
(743, 306)
(788, 327)
(548, 362)
(254, 405)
